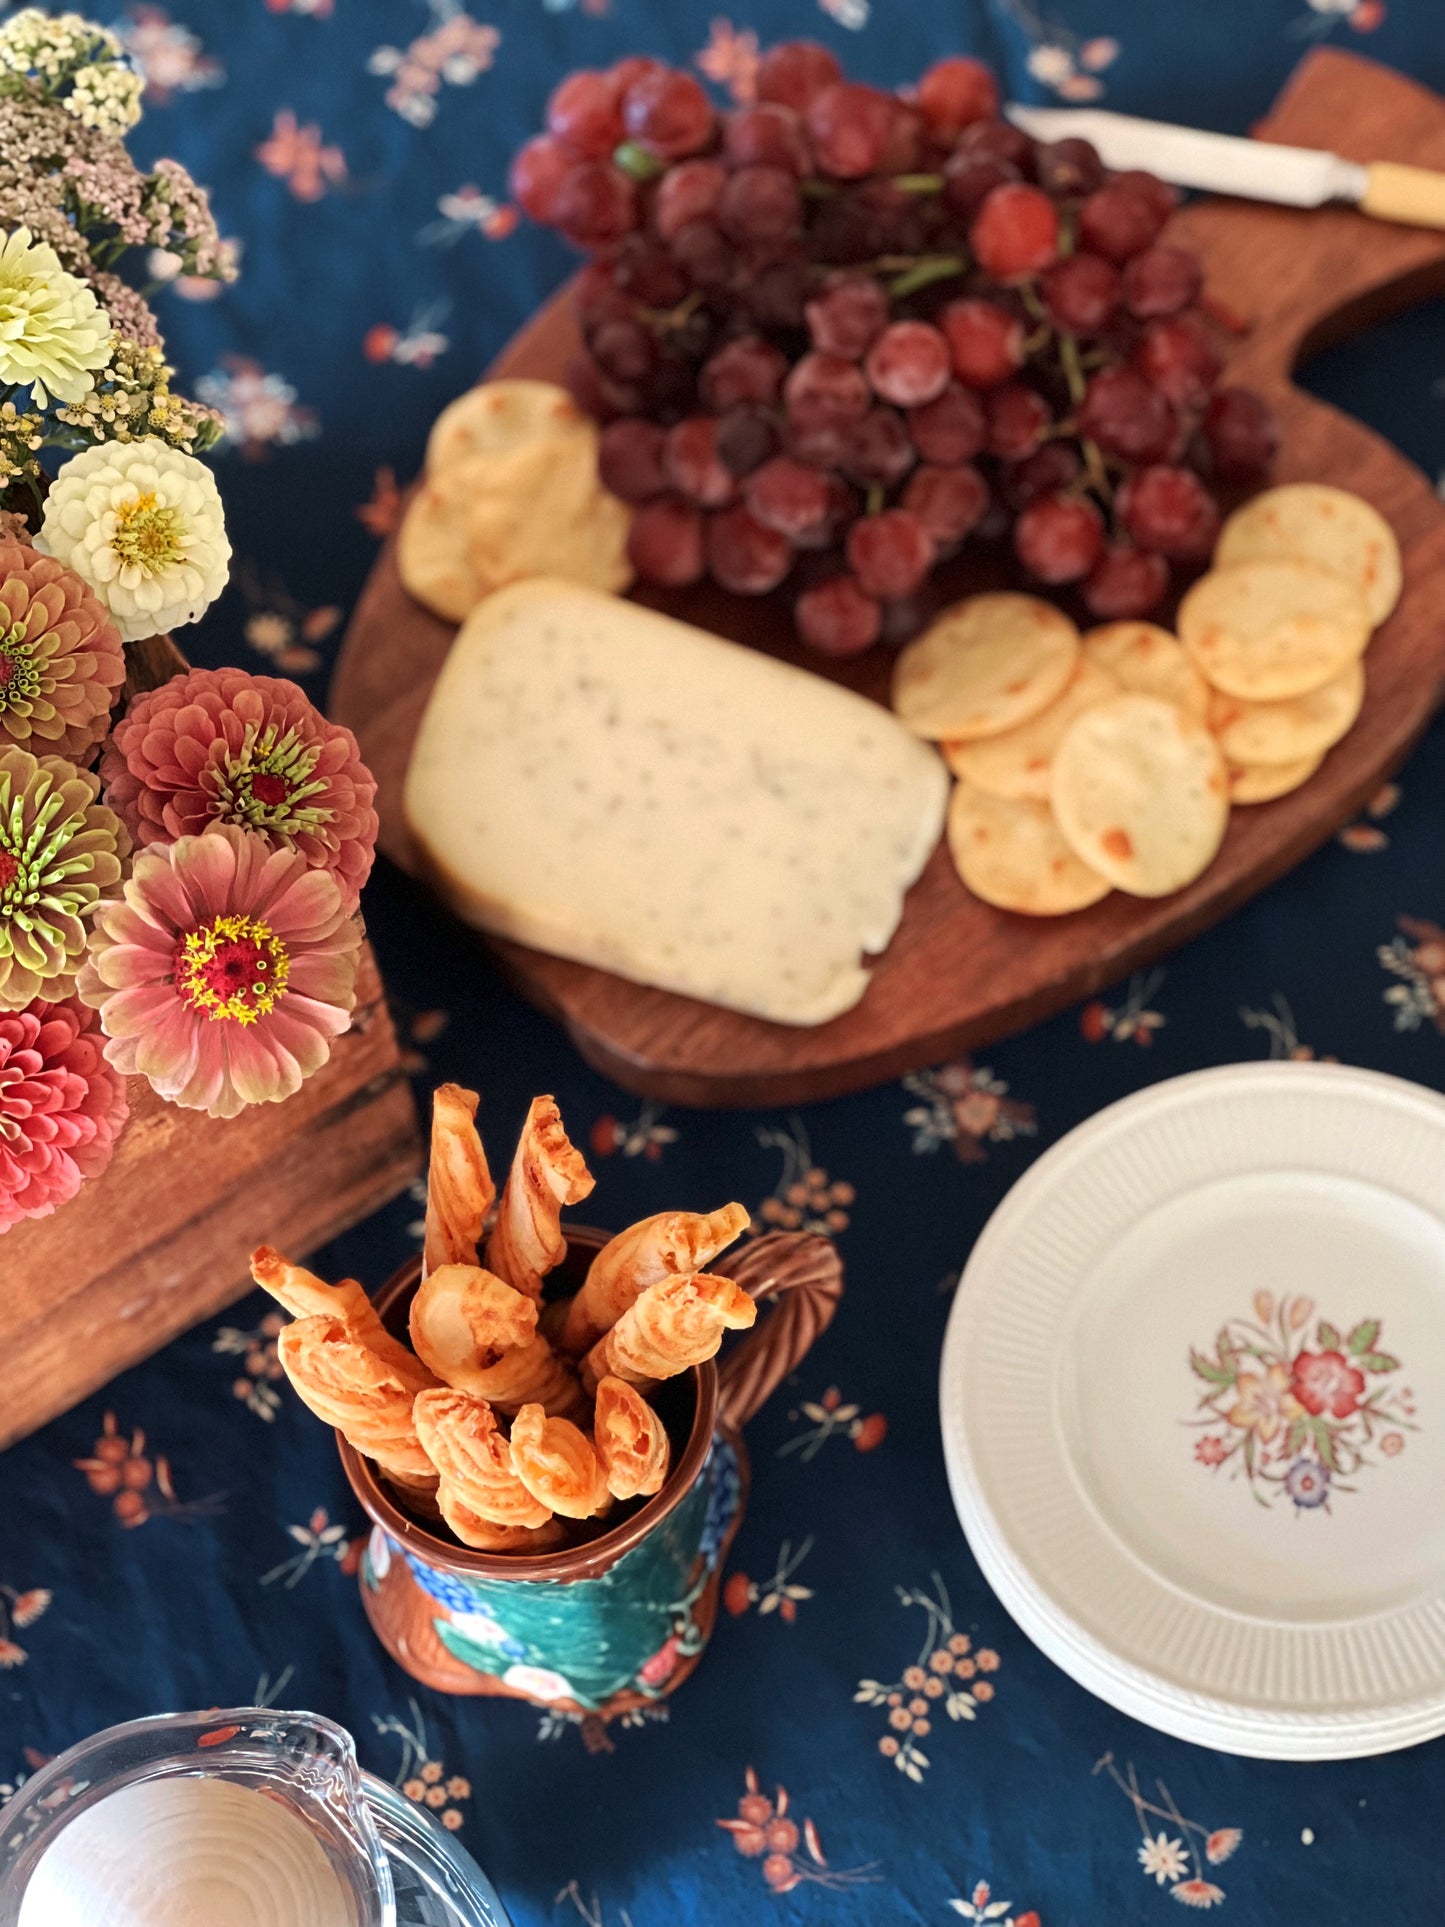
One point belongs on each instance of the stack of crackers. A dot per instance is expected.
(1109, 760)
(511, 491)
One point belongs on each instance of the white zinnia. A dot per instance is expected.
(53, 331)
(142, 523)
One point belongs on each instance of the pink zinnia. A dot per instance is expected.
(61, 658)
(61, 1109)
(223, 746)
(226, 971)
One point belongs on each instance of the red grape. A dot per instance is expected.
(633, 67)
(598, 298)
(774, 295)
(890, 553)
(694, 466)
(848, 316)
(703, 255)
(953, 94)
(760, 204)
(1053, 467)
(537, 172)
(826, 389)
(1068, 167)
(747, 369)
(744, 556)
(594, 204)
(1178, 358)
(909, 364)
(842, 510)
(767, 135)
(664, 543)
(998, 140)
(585, 112)
(624, 350)
(786, 496)
(821, 444)
(879, 451)
(668, 113)
(1241, 435)
(1081, 293)
(1159, 194)
(838, 618)
(969, 179)
(630, 460)
(1058, 538)
(1018, 419)
(985, 340)
(746, 437)
(1126, 416)
(688, 192)
(794, 73)
(648, 272)
(1015, 234)
(1126, 583)
(849, 126)
(949, 502)
(903, 149)
(953, 428)
(596, 394)
(1160, 281)
(1118, 221)
(1171, 511)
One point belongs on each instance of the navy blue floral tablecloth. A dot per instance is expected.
(207, 1553)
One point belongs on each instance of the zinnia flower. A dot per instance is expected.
(60, 850)
(61, 660)
(222, 746)
(225, 973)
(53, 331)
(61, 1110)
(143, 524)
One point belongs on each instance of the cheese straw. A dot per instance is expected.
(557, 1464)
(482, 1536)
(547, 1172)
(673, 1325)
(464, 1319)
(363, 1394)
(532, 1375)
(459, 1188)
(659, 1247)
(304, 1295)
(629, 1439)
(462, 1439)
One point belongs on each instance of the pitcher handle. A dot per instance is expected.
(796, 1277)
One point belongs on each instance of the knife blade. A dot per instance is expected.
(1255, 170)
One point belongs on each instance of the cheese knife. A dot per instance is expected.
(1258, 170)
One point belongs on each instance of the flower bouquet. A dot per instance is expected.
(181, 864)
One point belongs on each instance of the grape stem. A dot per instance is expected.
(874, 503)
(1073, 372)
(637, 163)
(1094, 468)
(919, 183)
(924, 272)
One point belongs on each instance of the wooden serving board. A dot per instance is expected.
(959, 974)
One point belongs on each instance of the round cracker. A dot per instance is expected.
(1292, 731)
(431, 547)
(1010, 853)
(499, 416)
(1267, 630)
(1262, 782)
(984, 666)
(1143, 657)
(542, 511)
(1327, 526)
(1141, 793)
(1017, 763)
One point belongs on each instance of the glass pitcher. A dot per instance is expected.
(396, 1867)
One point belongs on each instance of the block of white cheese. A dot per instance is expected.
(610, 785)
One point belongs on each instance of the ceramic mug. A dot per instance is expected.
(616, 1623)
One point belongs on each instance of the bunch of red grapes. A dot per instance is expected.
(851, 330)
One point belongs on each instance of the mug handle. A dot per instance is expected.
(797, 1279)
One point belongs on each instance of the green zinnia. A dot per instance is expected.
(60, 852)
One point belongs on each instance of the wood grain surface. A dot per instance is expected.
(960, 974)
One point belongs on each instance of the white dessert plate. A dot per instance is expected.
(1193, 1405)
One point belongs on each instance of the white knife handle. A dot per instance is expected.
(1414, 195)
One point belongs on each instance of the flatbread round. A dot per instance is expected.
(499, 416)
(984, 666)
(1327, 526)
(1267, 630)
(1262, 782)
(1012, 855)
(1292, 730)
(1141, 794)
(431, 554)
(1017, 762)
(1146, 658)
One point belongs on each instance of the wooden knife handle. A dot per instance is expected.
(1414, 195)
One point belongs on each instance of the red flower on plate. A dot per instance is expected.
(1327, 1382)
(1211, 1449)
